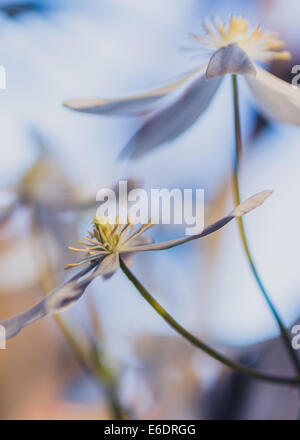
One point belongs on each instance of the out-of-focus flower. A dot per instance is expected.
(54, 204)
(107, 243)
(8, 202)
(46, 185)
(232, 47)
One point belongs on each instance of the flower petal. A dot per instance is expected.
(131, 105)
(229, 59)
(60, 299)
(170, 122)
(251, 203)
(139, 241)
(128, 259)
(107, 267)
(278, 99)
(245, 207)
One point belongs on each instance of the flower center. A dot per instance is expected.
(106, 234)
(107, 238)
(258, 44)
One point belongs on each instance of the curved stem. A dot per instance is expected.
(195, 341)
(236, 196)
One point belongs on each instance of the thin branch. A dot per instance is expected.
(197, 342)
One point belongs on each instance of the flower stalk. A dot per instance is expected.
(197, 342)
(240, 222)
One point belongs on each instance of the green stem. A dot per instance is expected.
(115, 406)
(236, 196)
(195, 341)
(104, 375)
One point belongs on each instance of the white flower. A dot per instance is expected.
(176, 106)
(105, 245)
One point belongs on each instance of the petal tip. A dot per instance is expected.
(70, 103)
(251, 203)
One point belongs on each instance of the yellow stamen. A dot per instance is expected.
(107, 238)
(258, 44)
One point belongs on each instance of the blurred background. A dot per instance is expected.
(110, 354)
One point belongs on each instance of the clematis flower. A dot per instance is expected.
(104, 246)
(234, 48)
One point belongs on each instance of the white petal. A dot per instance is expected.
(278, 99)
(245, 207)
(170, 122)
(60, 299)
(230, 59)
(139, 241)
(251, 203)
(108, 266)
(128, 259)
(133, 105)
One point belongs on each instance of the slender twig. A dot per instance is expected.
(108, 378)
(197, 342)
(236, 195)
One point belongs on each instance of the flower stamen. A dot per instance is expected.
(108, 238)
(258, 44)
